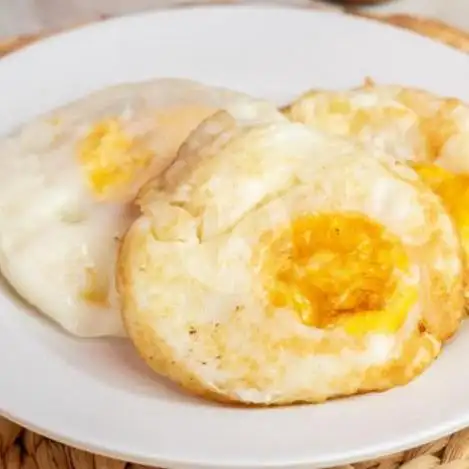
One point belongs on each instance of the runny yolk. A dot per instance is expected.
(341, 270)
(111, 159)
(453, 190)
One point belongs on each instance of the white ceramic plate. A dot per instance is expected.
(97, 395)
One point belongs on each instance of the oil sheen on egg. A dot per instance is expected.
(67, 184)
(430, 132)
(283, 265)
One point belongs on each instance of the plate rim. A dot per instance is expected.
(218, 5)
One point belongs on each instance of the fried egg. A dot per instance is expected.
(67, 184)
(278, 265)
(429, 132)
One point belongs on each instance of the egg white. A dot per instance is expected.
(408, 123)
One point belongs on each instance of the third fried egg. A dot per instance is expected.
(429, 132)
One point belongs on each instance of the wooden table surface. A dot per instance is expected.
(30, 16)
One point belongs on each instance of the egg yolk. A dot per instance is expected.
(453, 190)
(111, 159)
(339, 270)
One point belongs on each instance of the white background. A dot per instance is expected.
(22, 16)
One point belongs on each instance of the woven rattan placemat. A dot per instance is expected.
(22, 449)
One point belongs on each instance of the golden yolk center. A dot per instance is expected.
(339, 269)
(453, 190)
(111, 159)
